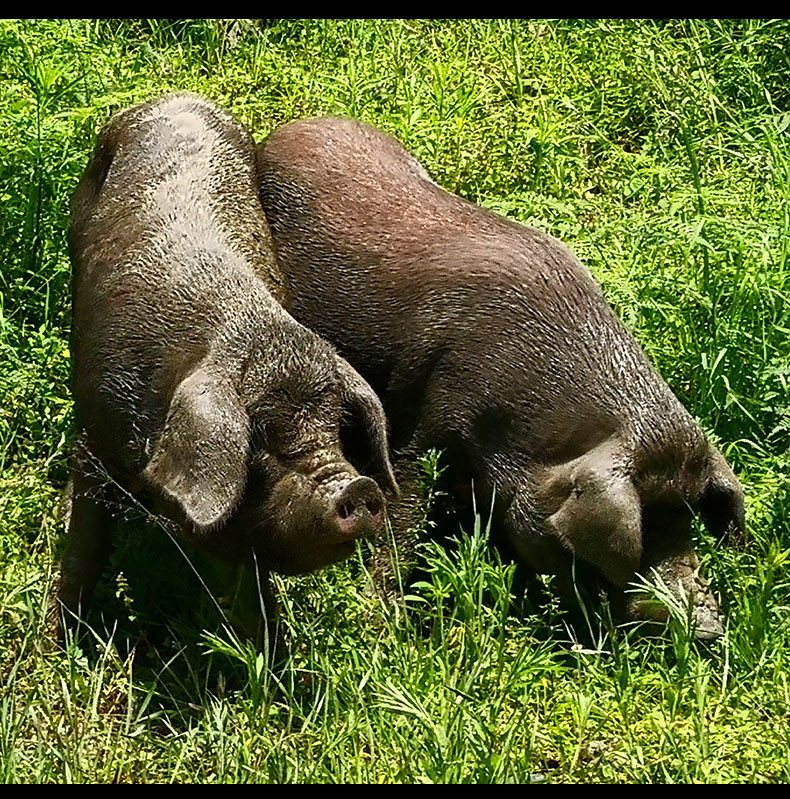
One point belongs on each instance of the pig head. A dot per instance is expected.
(489, 340)
(624, 515)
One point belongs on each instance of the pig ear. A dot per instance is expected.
(200, 460)
(358, 397)
(591, 505)
(721, 504)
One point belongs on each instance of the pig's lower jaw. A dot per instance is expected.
(679, 574)
(345, 549)
(288, 561)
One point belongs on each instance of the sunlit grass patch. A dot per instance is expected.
(660, 152)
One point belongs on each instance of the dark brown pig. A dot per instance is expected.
(194, 389)
(489, 340)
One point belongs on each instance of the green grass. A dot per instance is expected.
(660, 152)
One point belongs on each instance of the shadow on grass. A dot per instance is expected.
(186, 623)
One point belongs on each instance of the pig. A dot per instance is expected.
(194, 390)
(490, 341)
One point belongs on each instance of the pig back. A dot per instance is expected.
(164, 226)
(442, 305)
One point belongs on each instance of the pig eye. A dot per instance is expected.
(321, 399)
(280, 436)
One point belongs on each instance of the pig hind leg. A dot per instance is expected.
(89, 527)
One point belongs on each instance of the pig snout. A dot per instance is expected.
(313, 518)
(358, 509)
(680, 574)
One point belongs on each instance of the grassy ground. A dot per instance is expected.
(661, 153)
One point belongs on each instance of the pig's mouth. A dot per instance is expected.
(303, 549)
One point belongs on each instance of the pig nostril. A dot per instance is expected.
(359, 503)
(374, 507)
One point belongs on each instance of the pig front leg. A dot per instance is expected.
(89, 522)
(252, 607)
(395, 551)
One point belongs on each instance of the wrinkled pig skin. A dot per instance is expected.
(195, 391)
(489, 340)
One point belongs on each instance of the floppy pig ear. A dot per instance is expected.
(591, 505)
(200, 460)
(357, 395)
(721, 503)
